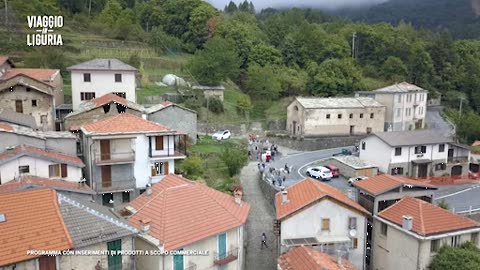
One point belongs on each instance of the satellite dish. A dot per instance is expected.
(352, 233)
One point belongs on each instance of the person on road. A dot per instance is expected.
(264, 241)
(287, 169)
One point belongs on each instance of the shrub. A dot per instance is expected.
(234, 159)
(214, 105)
(192, 166)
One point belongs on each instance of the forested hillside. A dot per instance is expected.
(272, 55)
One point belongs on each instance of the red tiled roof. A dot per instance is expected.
(29, 180)
(107, 98)
(307, 192)
(428, 219)
(42, 153)
(183, 212)
(43, 75)
(33, 222)
(6, 127)
(3, 59)
(385, 182)
(306, 258)
(124, 123)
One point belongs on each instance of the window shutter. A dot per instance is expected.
(64, 170)
(159, 143)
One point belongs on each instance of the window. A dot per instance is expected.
(434, 245)
(421, 149)
(339, 116)
(178, 261)
(54, 170)
(399, 112)
(369, 130)
(295, 108)
(397, 171)
(157, 168)
(86, 77)
(363, 145)
(63, 170)
(361, 115)
(121, 94)
(28, 89)
(159, 143)
(114, 261)
(372, 115)
(222, 245)
(441, 148)
(351, 116)
(354, 243)
(399, 98)
(455, 241)
(352, 223)
(125, 196)
(328, 116)
(398, 151)
(474, 238)
(440, 166)
(23, 169)
(34, 103)
(87, 95)
(118, 77)
(325, 224)
(384, 229)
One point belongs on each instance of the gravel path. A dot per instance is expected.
(259, 220)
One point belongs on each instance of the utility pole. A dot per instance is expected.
(89, 7)
(208, 122)
(354, 36)
(460, 109)
(6, 13)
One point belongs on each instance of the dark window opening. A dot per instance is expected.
(372, 115)
(125, 196)
(364, 145)
(34, 103)
(28, 89)
(361, 115)
(118, 77)
(86, 77)
(351, 116)
(398, 151)
(121, 94)
(106, 108)
(23, 169)
(441, 148)
(339, 116)
(397, 171)
(121, 108)
(87, 95)
(328, 116)
(440, 166)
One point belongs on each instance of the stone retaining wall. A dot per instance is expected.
(317, 143)
(268, 190)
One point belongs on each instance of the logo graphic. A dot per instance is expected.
(44, 27)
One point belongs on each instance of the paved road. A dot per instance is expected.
(260, 220)
(434, 120)
(461, 198)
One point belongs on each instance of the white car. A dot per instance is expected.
(355, 179)
(320, 173)
(222, 135)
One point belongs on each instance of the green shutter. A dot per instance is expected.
(222, 245)
(178, 261)
(114, 261)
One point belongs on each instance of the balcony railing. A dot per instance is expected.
(366, 203)
(115, 158)
(225, 258)
(114, 185)
(457, 159)
(170, 153)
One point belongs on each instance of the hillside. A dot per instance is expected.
(460, 17)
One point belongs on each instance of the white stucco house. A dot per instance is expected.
(419, 154)
(98, 77)
(124, 153)
(409, 233)
(406, 105)
(317, 215)
(177, 216)
(26, 160)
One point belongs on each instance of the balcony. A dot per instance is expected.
(225, 258)
(169, 154)
(114, 158)
(460, 159)
(114, 185)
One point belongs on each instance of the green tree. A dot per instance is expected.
(465, 257)
(263, 55)
(420, 66)
(244, 104)
(198, 28)
(215, 63)
(263, 82)
(234, 159)
(231, 8)
(162, 42)
(334, 77)
(394, 69)
(110, 13)
(443, 204)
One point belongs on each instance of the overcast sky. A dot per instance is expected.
(329, 4)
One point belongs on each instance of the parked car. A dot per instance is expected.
(222, 135)
(335, 171)
(344, 152)
(320, 173)
(355, 179)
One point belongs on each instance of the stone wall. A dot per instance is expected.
(170, 117)
(268, 190)
(315, 143)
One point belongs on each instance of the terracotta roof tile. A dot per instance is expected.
(308, 191)
(43, 75)
(105, 99)
(6, 127)
(31, 224)
(124, 123)
(428, 219)
(31, 151)
(29, 181)
(108, 98)
(306, 258)
(382, 183)
(183, 212)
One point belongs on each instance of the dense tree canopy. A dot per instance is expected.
(465, 257)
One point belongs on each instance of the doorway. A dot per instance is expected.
(294, 127)
(106, 176)
(104, 149)
(456, 170)
(422, 170)
(352, 130)
(18, 106)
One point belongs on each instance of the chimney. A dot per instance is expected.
(145, 225)
(149, 189)
(407, 223)
(3, 218)
(144, 116)
(339, 258)
(284, 196)
(238, 196)
(109, 64)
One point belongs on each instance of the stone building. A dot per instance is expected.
(334, 116)
(174, 117)
(406, 105)
(211, 91)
